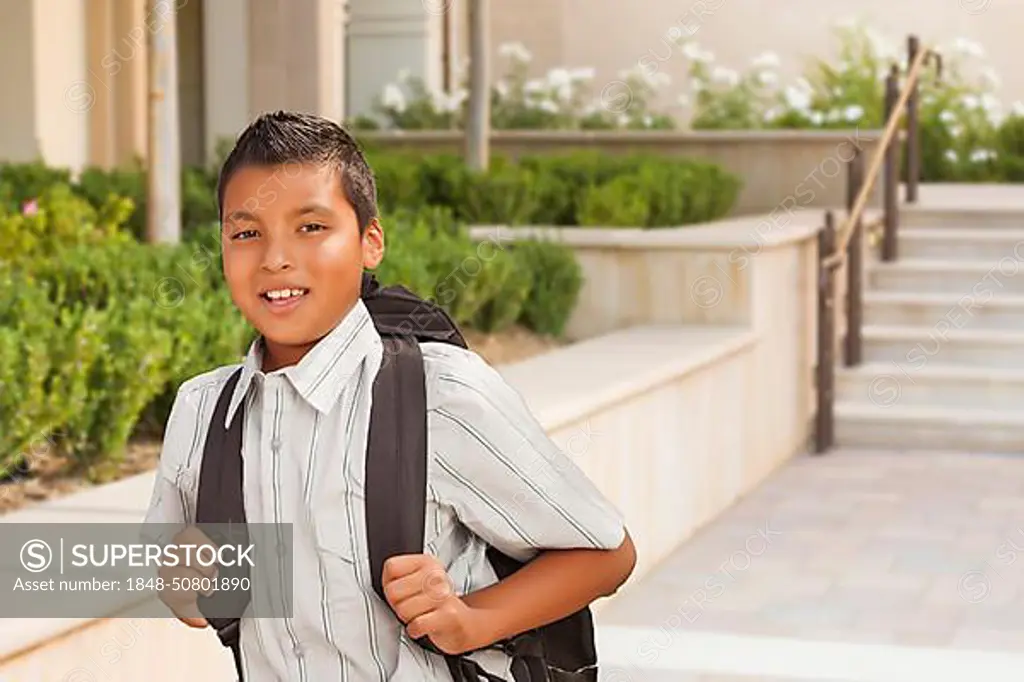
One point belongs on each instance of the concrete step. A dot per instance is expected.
(916, 427)
(1006, 217)
(911, 349)
(988, 244)
(948, 386)
(958, 311)
(980, 280)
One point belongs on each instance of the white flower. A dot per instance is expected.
(683, 100)
(533, 87)
(853, 113)
(455, 100)
(968, 47)
(726, 76)
(817, 118)
(947, 117)
(623, 120)
(771, 114)
(797, 98)
(766, 60)
(982, 155)
(990, 102)
(951, 155)
(768, 78)
(438, 100)
(502, 88)
(693, 52)
(548, 105)
(404, 76)
(956, 130)
(558, 78)
(1018, 108)
(971, 102)
(648, 120)
(989, 75)
(696, 84)
(517, 52)
(833, 115)
(392, 98)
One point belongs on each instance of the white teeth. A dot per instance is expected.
(278, 294)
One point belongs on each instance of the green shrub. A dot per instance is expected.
(60, 218)
(556, 279)
(660, 193)
(130, 370)
(616, 203)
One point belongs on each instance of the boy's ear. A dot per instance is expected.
(373, 245)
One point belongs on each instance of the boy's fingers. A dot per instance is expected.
(414, 607)
(402, 565)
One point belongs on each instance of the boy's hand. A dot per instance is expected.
(182, 601)
(422, 595)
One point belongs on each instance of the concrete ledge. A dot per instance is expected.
(804, 168)
(746, 232)
(569, 384)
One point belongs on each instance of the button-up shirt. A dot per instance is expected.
(494, 477)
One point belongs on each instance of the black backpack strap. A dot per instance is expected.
(396, 462)
(396, 493)
(220, 501)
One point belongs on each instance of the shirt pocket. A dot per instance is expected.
(333, 526)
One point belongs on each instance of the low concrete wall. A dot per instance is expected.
(784, 169)
(692, 385)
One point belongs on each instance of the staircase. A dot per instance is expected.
(943, 334)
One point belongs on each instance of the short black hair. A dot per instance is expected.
(284, 137)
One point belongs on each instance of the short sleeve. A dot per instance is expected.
(495, 465)
(171, 500)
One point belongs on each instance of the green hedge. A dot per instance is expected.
(580, 188)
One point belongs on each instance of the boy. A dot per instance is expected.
(299, 225)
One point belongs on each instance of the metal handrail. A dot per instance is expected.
(845, 232)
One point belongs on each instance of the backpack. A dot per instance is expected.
(396, 469)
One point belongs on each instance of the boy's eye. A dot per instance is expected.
(243, 233)
(313, 227)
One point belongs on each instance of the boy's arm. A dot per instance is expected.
(494, 465)
(555, 584)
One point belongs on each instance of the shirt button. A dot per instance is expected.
(297, 648)
(276, 444)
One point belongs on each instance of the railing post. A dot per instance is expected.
(890, 174)
(823, 431)
(913, 127)
(854, 264)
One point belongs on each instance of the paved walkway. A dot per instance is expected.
(905, 562)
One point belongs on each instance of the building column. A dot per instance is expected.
(225, 70)
(386, 37)
(295, 56)
(126, 67)
(100, 42)
(47, 100)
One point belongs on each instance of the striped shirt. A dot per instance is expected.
(494, 477)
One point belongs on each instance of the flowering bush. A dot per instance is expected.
(960, 116)
(562, 100)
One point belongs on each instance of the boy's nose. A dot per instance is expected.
(276, 257)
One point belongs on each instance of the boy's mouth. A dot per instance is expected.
(284, 298)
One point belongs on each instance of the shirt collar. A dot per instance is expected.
(321, 375)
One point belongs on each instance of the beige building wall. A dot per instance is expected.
(45, 102)
(610, 35)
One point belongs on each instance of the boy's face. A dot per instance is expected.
(293, 255)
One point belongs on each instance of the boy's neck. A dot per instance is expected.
(276, 356)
